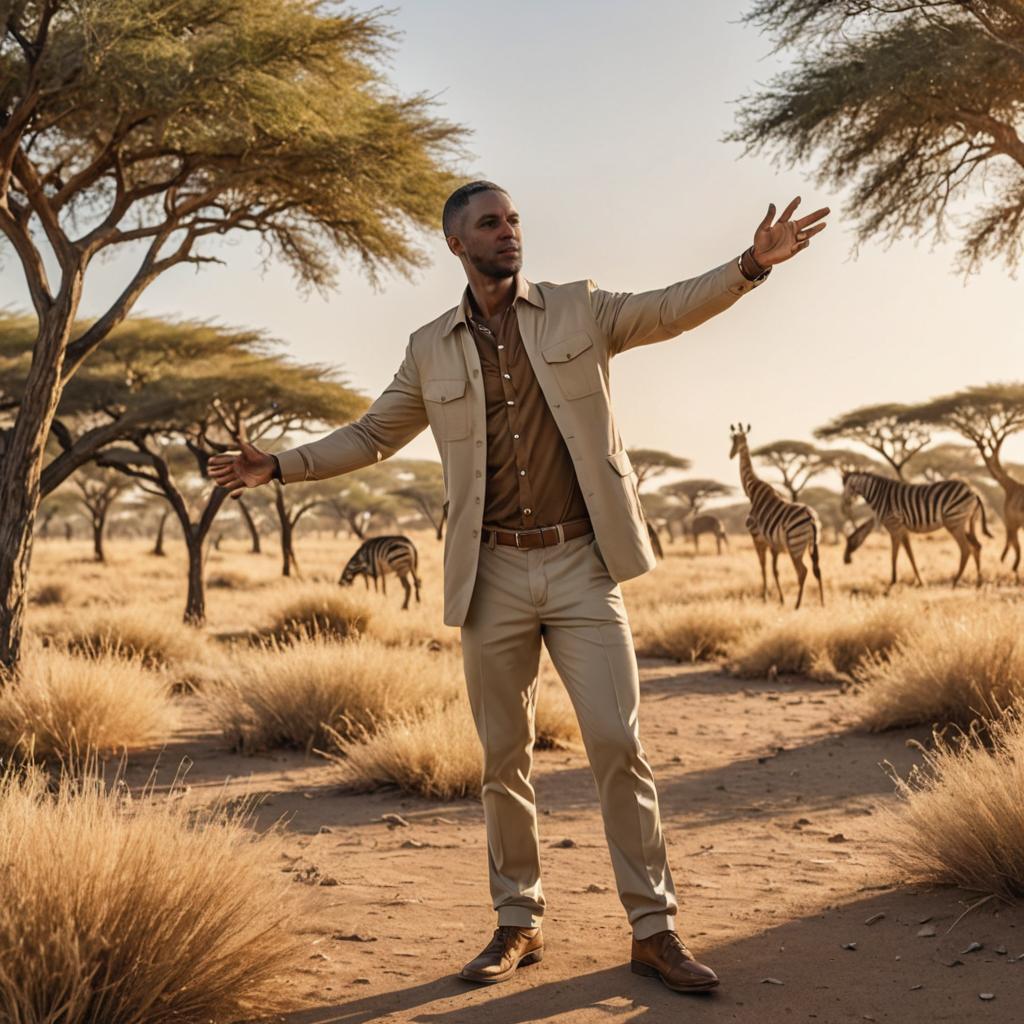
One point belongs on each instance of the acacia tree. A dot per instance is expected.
(797, 462)
(650, 462)
(891, 429)
(200, 388)
(986, 416)
(696, 493)
(98, 489)
(910, 103)
(146, 127)
(421, 485)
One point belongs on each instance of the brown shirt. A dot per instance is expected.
(531, 480)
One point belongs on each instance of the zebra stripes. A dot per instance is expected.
(380, 555)
(777, 524)
(904, 508)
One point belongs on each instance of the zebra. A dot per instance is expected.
(656, 547)
(777, 524)
(380, 555)
(904, 508)
(707, 523)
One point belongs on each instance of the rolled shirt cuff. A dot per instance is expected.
(293, 466)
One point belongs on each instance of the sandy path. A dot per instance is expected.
(739, 767)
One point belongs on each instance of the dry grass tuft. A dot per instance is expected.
(139, 912)
(406, 753)
(956, 666)
(321, 610)
(284, 695)
(963, 819)
(556, 725)
(50, 594)
(698, 631)
(824, 643)
(136, 630)
(64, 705)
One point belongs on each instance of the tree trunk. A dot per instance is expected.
(98, 522)
(158, 547)
(69, 530)
(251, 523)
(195, 602)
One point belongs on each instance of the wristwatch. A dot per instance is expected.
(276, 472)
(764, 271)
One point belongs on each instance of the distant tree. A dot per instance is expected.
(146, 128)
(829, 506)
(986, 416)
(209, 384)
(98, 489)
(422, 486)
(650, 462)
(909, 105)
(797, 462)
(663, 511)
(695, 494)
(889, 429)
(945, 461)
(61, 505)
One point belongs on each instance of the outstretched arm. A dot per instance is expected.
(630, 319)
(390, 423)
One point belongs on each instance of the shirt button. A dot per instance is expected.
(516, 436)
(479, 444)
(522, 472)
(507, 376)
(478, 501)
(510, 402)
(527, 511)
(478, 473)
(501, 346)
(475, 533)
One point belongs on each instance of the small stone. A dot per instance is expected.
(838, 838)
(596, 888)
(328, 880)
(771, 981)
(924, 920)
(927, 932)
(915, 988)
(1000, 950)
(800, 822)
(353, 937)
(360, 981)
(413, 844)
(566, 843)
(325, 828)
(874, 918)
(972, 947)
(394, 820)
(986, 996)
(319, 956)
(849, 945)
(953, 963)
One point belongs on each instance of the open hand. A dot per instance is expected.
(249, 468)
(775, 243)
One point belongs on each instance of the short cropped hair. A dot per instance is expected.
(459, 200)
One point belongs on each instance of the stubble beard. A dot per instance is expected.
(494, 270)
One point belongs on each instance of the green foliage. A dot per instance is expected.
(911, 104)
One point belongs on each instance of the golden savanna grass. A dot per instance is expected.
(64, 704)
(135, 911)
(955, 666)
(434, 752)
(285, 695)
(962, 820)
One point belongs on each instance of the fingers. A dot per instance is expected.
(237, 493)
(222, 459)
(810, 218)
(788, 211)
(767, 222)
(811, 232)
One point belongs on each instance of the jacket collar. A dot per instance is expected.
(525, 290)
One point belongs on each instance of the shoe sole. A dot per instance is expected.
(533, 957)
(647, 971)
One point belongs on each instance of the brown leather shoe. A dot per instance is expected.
(509, 948)
(663, 955)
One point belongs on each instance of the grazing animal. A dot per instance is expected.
(777, 524)
(380, 555)
(856, 537)
(707, 523)
(904, 508)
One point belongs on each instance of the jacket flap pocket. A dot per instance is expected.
(567, 348)
(620, 462)
(444, 389)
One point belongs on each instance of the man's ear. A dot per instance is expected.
(455, 247)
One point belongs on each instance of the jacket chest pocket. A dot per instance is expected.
(619, 462)
(447, 404)
(573, 361)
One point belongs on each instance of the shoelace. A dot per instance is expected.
(504, 936)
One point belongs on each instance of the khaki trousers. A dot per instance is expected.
(564, 596)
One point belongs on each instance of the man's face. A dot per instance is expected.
(489, 235)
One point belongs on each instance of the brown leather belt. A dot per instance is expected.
(539, 537)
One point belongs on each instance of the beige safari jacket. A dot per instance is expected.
(570, 332)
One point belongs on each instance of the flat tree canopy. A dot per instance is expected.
(891, 429)
(912, 104)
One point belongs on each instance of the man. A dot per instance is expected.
(544, 522)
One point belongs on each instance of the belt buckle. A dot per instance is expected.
(518, 545)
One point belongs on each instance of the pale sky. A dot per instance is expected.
(604, 121)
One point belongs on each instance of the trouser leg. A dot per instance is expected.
(586, 631)
(501, 655)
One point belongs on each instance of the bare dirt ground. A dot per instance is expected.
(774, 813)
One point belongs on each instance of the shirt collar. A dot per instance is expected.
(525, 290)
